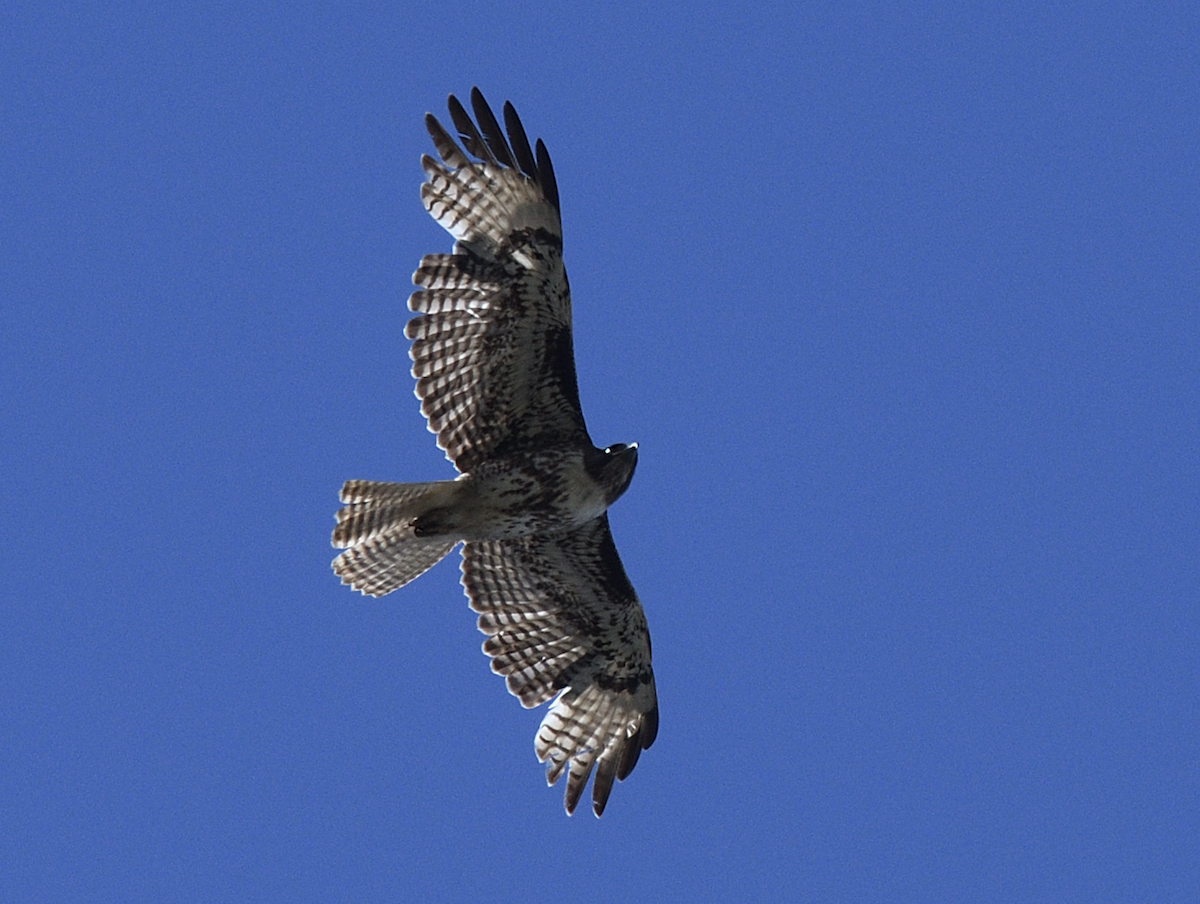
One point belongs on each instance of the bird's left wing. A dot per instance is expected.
(492, 349)
(562, 619)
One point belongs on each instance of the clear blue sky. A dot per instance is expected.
(902, 304)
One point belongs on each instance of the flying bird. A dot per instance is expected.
(495, 368)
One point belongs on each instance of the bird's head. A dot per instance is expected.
(616, 469)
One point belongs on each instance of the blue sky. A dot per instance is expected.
(901, 303)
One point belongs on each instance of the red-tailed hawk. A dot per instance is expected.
(495, 371)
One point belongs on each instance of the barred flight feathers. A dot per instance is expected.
(494, 362)
(492, 349)
(562, 618)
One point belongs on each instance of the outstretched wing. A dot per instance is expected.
(562, 618)
(492, 350)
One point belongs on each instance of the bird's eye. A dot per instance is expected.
(612, 450)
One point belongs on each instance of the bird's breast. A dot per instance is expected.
(542, 492)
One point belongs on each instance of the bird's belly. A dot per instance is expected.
(545, 492)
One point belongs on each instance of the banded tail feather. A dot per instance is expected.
(377, 530)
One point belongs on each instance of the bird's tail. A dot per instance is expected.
(376, 527)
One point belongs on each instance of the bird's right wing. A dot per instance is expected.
(562, 619)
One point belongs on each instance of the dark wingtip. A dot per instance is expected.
(546, 175)
(433, 127)
(492, 133)
(629, 757)
(467, 131)
(649, 728)
(520, 141)
(571, 798)
(486, 141)
(456, 109)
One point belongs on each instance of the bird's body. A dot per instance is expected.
(542, 492)
(494, 362)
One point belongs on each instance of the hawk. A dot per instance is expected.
(495, 368)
